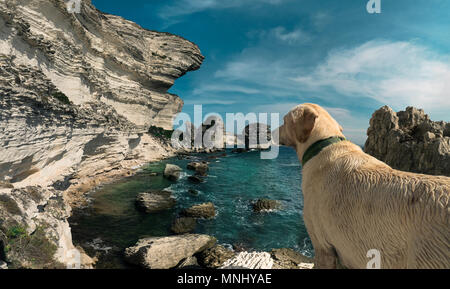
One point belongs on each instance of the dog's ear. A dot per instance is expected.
(304, 122)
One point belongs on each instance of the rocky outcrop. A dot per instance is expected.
(172, 172)
(205, 210)
(209, 137)
(167, 252)
(257, 136)
(153, 202)
(409, 141)
(266, 205)
(78, 93)
(200, 168)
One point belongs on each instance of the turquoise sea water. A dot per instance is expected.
(233, 183)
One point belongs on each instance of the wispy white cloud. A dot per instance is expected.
(295, 36)
(209, 101)
(393, 73)
(173, 12)
(254, 69)
(340, 114)
(210, 88)
(282, 35)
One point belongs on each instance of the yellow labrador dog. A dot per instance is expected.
(354, 203)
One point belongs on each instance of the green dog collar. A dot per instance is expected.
(318, 146)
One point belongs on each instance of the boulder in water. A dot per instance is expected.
(205, 210)
(167, 252)
(193, 192)
(172, 172)
(200, 168)
(156, 201)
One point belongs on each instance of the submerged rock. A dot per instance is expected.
(152, 202)
(183, 225)
(263, 205)
(215, 256)
(172, 172)
(205, 210)
(167, 252)
(290, 259)
(409, 141)
(193, 192)
(3, 265)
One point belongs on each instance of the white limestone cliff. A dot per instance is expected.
(78, 93)
(93, 56)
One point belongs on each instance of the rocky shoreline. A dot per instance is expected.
(196, 251)
(185, 250)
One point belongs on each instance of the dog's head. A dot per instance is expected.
(305, 124)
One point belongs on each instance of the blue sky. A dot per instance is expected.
(270, 55)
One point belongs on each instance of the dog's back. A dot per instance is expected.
(360, 203)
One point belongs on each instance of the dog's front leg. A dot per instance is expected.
(325, 258)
